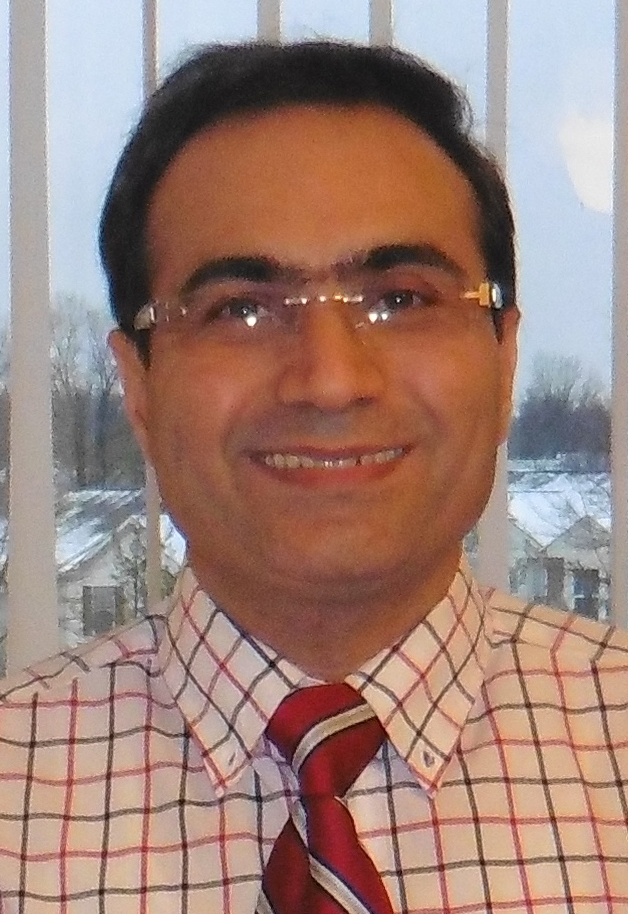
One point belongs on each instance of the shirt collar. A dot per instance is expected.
(423, 688)
(227, 684)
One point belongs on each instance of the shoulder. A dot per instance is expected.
(566, 636)
(61, 719)
(134, 645)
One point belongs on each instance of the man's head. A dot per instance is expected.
(221, 81)
(325, 395)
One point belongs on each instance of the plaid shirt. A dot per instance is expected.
(136, 776)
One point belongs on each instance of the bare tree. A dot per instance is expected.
(92, 441)
(130, 564)
(564, 411)
(105, 394)
(71, 389)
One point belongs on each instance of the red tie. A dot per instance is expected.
(317, 865)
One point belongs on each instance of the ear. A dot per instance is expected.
(508, 363)
(134, 378)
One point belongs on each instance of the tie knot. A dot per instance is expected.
(328, 734)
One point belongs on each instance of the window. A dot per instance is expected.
(560, 129)
(586, 592)
(560, 168)
(103, 607)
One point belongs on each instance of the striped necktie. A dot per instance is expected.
(317, 865)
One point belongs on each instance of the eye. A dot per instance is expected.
(395, 303)
(242, 309)
(235, 311)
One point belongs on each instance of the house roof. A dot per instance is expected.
(546, 504)
(88, 519)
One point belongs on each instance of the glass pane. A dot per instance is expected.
(311, 19)
(560, 163)
(99, 472)
(183, 25)
(451, 36)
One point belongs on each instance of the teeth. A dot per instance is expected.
(385, 456)
(298, 461)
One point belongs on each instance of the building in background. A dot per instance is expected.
(101, 562)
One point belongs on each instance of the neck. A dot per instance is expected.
(336, 632)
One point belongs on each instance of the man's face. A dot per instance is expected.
(395, 442)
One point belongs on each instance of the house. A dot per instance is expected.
(101, 560)
(567, 516)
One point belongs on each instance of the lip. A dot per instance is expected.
(330, 467)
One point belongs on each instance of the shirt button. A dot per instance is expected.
(428, 758)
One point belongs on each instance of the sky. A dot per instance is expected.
(559, 153)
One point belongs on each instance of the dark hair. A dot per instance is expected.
(218, 81)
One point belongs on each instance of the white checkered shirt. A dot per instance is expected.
(136, 776)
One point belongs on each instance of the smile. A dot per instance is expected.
(287, 461)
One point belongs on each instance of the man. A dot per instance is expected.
(311, 265)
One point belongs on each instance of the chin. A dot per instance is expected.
(337, 570)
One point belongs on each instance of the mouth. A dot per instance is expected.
(287, 460)
(341, 469)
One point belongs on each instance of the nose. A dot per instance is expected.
(330, 364)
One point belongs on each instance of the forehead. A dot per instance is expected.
(308, 186)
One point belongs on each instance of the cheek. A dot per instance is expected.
(458, 397)
(198, 405)
(437, 379)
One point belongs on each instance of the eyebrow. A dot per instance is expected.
(261, 268)
(255, 268)
(388, 256)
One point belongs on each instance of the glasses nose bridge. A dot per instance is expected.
(306, 306)
(331, 364)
